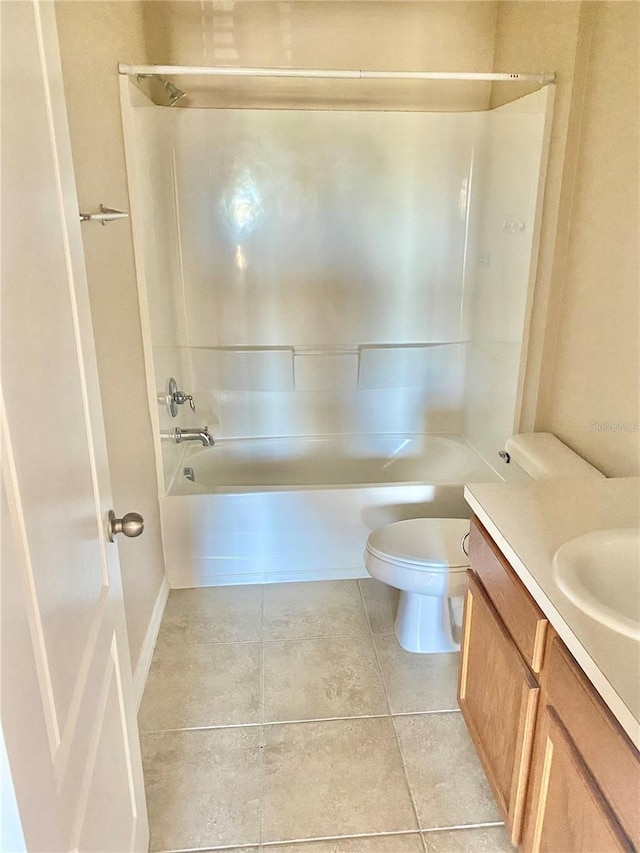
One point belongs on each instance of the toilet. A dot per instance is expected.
(426, 558)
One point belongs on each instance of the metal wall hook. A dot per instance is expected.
(107, 214)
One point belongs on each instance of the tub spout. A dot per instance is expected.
(179, 435)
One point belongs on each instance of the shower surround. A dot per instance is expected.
(338, 290)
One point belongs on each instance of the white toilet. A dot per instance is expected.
(426, 559)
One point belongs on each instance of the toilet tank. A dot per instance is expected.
(542, 456)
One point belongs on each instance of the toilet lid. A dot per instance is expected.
(433, 543)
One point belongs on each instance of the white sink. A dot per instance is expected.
(600, 573)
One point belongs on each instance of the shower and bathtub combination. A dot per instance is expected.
(343, 290)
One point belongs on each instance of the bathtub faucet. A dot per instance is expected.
(179, 435)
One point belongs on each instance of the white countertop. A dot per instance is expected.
(529, 522)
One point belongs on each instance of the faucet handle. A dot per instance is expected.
(180, 397)
(174, 398)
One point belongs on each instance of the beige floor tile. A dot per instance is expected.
(371, 844)
(448, 784)
(220, 614)
(203, 787)
(492, 839)
(417, 682)
(313, 609)
(381, 602)
(215, 685)
(342, 777)
(315, 679)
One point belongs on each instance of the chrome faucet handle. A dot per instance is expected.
(174, 398)
(180, 397)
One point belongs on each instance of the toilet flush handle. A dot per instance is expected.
(463, 541)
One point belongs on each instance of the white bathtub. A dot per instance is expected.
(283, 509)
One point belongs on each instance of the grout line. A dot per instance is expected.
(463, 826)
(174, 646)
(406, 776)
(263, 778)
(366, 610)
(178, 645)
(266, 723)
(322, 637)
(375, 653)
(314, 839)
(426, 713)
(317, 637)
(289, 841)
(233, 847)
(327, 720)
(395, 731)
(390, 834)
(202, 728)
(262, 688)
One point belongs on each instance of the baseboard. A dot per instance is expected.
(146, 652)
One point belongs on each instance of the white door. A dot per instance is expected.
(68, 716)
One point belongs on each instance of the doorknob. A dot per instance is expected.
(131, 524)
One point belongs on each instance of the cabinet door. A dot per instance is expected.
(498, 696)
(567, 810)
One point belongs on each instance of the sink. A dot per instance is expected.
(600, 573)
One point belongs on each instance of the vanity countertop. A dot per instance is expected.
(529, 522)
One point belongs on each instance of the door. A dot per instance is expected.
(498, 697)
(567, 811)
(68, 716)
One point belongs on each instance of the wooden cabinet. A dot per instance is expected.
(567, 810)
(498, 697)
(584, 792)
(521, 616)
(565, 775)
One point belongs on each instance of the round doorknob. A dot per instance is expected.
(131, 524)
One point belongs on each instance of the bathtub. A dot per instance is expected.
(268, 510)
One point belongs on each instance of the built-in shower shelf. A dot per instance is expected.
(327, 368)
(243, 369)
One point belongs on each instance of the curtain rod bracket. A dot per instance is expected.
(107, 214)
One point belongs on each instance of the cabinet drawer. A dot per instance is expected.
(523, 618)
(604, 747)
(498, 697)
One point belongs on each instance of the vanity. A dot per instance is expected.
(549, 686)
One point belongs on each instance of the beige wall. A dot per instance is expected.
(94, 36)
(437, 36)
(549, 36)
(441, 36)
(583, 354)
(595, 356)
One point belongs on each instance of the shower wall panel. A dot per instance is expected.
(501, 264)
(325, 272)
(158, 262)
(322, 228)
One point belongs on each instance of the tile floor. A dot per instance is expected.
(286, 719)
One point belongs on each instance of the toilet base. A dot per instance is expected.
(423, 624)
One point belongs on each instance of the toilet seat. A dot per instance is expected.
(427, 544)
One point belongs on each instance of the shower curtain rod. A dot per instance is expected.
(219, 71)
